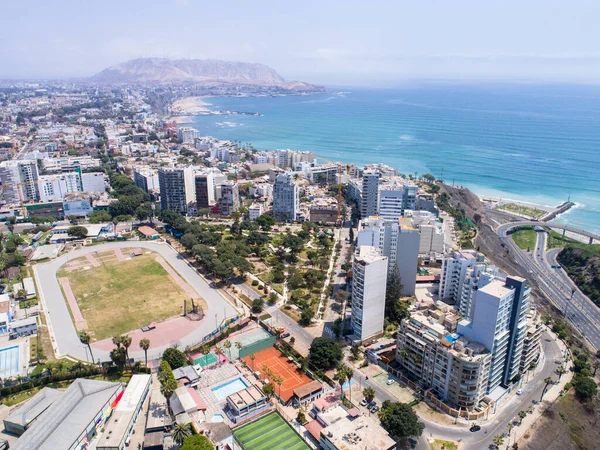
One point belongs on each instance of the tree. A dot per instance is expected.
(547, 382)
(400, 421)
(273, 297)
(218, 352)
(324, 353)
(77, 231)
(307, 316)
(100, 216)
(174, 357)
(369, 393)
(498, 440)
(85, 339)
(257, 305)
(145, 345)
(143, 212)
(181, 431)
(268, 389)
(227, 345)
(395, 311)
(278, 380)
(341, 296)
(522, 415)
(354, 354)
(341, 376)
(301, 417)
(119, 357)
(197, 442)
(561, 371)
(265, 222)
(168, 383)
(126, 342)
(252, 358)
(205, 350)
(428, 178)
(292, 341)
(585, 388)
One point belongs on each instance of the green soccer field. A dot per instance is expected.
(269, 433)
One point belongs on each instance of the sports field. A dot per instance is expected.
(277, 362)
(116, 294)
(206, 360)
(269, 433)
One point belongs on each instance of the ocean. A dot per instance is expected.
(539, 144)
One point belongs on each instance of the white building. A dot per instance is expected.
(146, 178)
(454, 270)
(370, 194)
(394, 200)
(77, 205)
(286, 199)
(368, 292)
(187, 135)
(93, 182)
(229, 202)
(255, 211)
(56, 187)
(476, 277)
(176, 188)
(399, 241)
(70, 164)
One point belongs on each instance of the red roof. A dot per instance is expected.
(196, 397)
(354, 412)
(314, 427)
(424, 278)
(147, 231)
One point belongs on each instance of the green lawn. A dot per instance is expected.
(269, 433)
(439, 444)
(525, 238)
(119, 297)
(556, 240)
(521, 209)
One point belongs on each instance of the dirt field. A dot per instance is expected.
(567, 425)
(116, 295)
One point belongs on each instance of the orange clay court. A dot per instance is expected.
(293, 378)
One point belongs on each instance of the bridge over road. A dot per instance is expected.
(502, 230)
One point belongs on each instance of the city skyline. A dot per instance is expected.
(332, 43)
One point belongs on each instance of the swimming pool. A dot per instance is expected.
(217, 418)
(231, 387)
(9, 361)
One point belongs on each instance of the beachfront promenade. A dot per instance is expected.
(62, 329)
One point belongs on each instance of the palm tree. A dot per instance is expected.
(349, 375)
(145, 345)
(548, 382)
(219, 352)
(252, 358)
(85, 339)
(227, 345)
(510, 427)
(180, 432)
(239, 346)
(126, 342)
(278, 380)
(369, 393)
(498, 440)
(77, 367)
(205, 350)
(522, 415)
(167, 388)
(561, 371)
(341, 376)
(116, 340)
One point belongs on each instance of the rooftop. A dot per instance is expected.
(362, 432)
(496, 288)
(27, 413)
(246, 397)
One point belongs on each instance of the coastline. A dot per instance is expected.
(189, 106)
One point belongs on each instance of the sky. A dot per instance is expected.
(335, 42)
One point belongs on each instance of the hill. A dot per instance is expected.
(583, 266)
(197, 72)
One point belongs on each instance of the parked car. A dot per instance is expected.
(374, 409)
(474, 428)
(285, 335)
(520, 391)
(390, 381)
(371, 404)
(364, 402)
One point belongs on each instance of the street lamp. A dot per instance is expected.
(569, 302)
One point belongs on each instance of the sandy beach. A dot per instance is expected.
(190, 106)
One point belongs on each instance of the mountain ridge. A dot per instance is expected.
(198, 72)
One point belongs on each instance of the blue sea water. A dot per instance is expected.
(532, 143)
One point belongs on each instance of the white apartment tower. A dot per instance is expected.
(286, 199)
(229, 202)
(176, 188)
(399, 241)
(454, 270)
(370, 194)
(187, 135)
(368, 292)
(394, 200)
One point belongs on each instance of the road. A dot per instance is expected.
(496, 424)
(581, 311)
(63, 330)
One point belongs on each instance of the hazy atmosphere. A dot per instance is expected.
(337, 42)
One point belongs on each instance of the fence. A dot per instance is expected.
(257, 346)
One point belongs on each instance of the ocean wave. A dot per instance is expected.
(228, 124)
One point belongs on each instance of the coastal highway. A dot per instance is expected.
(580, 311)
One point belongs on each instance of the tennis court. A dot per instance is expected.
(269, 433)
(278, 363)
(206, 360)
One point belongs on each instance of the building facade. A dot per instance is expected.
(176, 188)
(286, 199)
(229, 202)
(369, 202)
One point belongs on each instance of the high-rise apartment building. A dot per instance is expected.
(399, 241)
(454, 269)
(395, 199)
(56, 187)
(499, 321)
(205, 190)
(369, 275)
(370, 194)
(19, 181)
(146, 178)
(176, 188)
(187, 135)
(476, 277)
(286, 199)
(229, 202)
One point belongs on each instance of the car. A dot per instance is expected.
(371, 404)
(374, 409)
(474, 428)
(285, 335)
(364, 402)
(390, 381)
(520, 391)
